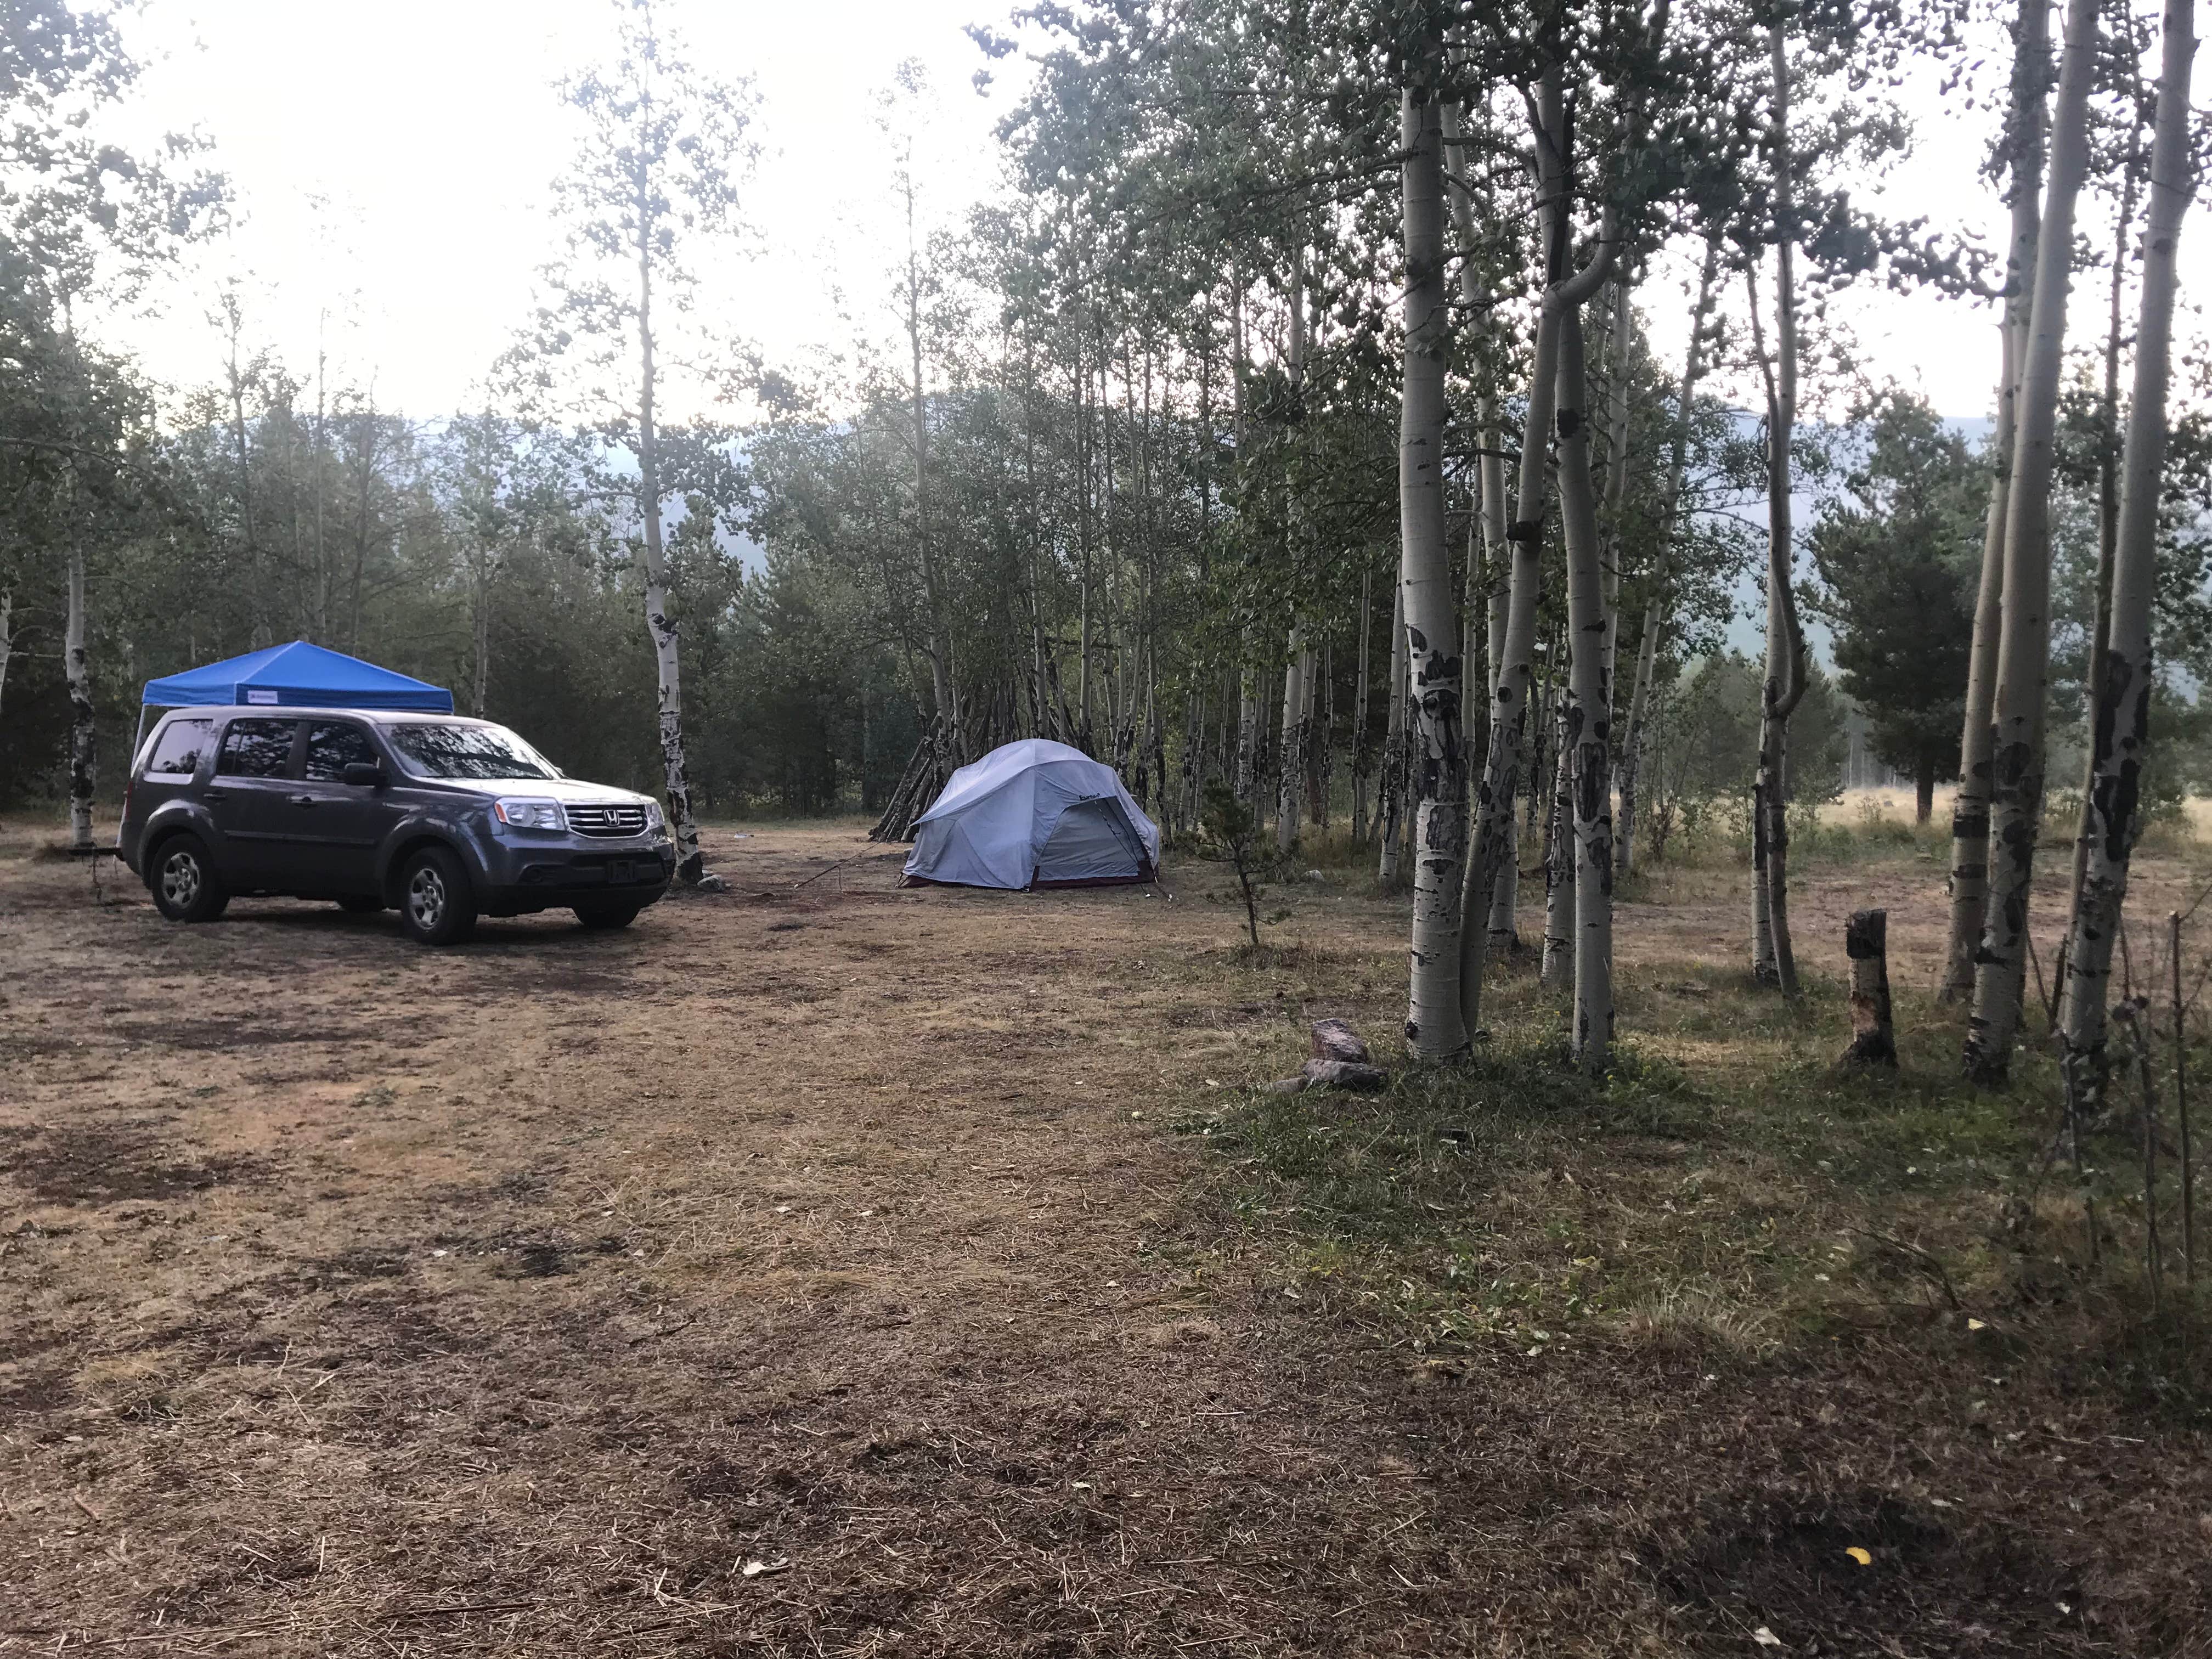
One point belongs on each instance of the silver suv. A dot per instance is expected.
(447, 818)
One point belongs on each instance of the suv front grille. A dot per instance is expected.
(607, 820)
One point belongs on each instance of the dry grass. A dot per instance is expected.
(828, 1268)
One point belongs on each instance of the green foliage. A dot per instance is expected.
(1232, 831)
(1702, 748)
(1899, 553)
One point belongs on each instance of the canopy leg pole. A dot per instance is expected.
(139, 742)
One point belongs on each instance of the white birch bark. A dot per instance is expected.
(1501, 930)
(1390, 785)
(1497, 925)
(1293, 770)
(2023, 643)
(1361, 755)
(1970, 814)
(1617, 412)
(1434, 1028)
(684, 829)
(1586, 729)
(1557, 968)
(76, 668)
(1784, 684)
(1494, 839)
(1482, 895)
(2120, 741)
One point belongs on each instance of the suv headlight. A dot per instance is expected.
(653, 819)
(527, 812)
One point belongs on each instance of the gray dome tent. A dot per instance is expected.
(1034, 814)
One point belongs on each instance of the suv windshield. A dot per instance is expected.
(468, 751)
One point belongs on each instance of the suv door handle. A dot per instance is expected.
(301, 800)
(216, 794)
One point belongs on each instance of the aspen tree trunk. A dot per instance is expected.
(2025, 124)
(2024, 645)
(1360, 752)
(2121, 737)
(7, 638)
(1783, 685)
(1434, 1028)
(1494, 841)
(1390, 804)
(1297, 671)
(2108, 516)
(659, 624)
(1248, 737)
(480, 624)
(1320, 730)
(1481, 570)
(1485, 895)
(1616, 469)
(1556, 969)
(1501, 932)
(1586, 734)
(1287, 786)
(76, 667)
(1493, 912)
(1655, 608)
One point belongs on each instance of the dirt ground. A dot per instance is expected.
(810, 1269)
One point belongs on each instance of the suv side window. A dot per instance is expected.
(256, 749)
(180, 749)
(333, 746)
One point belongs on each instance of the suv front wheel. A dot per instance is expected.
(436, 905)
(182, 879)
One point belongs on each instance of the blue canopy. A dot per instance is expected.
(298, 675)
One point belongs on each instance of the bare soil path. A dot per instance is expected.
(806, 1269)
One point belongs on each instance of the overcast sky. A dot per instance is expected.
(390, 164)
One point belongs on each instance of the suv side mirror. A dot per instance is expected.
(364, 775)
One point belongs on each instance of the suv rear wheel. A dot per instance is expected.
(182, 880)
(436, 905)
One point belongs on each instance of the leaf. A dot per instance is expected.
(1766, 1637)
(1977, 1325)
(1859, 1556)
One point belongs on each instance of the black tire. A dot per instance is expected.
(360, 904)
(437, 905)
(607, 916)
(181, 877)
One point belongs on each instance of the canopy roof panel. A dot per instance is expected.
(298, 675)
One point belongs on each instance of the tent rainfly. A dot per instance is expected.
(1034, 814)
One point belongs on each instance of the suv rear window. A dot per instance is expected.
(256, 749)
(468, 751)
(333, 746)
(180, 749)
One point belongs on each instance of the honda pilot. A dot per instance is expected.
(446, 818)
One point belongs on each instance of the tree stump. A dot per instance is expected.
(1866, 942)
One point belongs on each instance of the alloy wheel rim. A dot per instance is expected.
(426, 897)
(180, 879)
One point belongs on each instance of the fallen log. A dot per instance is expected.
(1344, 1074)
(1335, 1040)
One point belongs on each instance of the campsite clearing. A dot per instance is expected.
(835, 1268)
